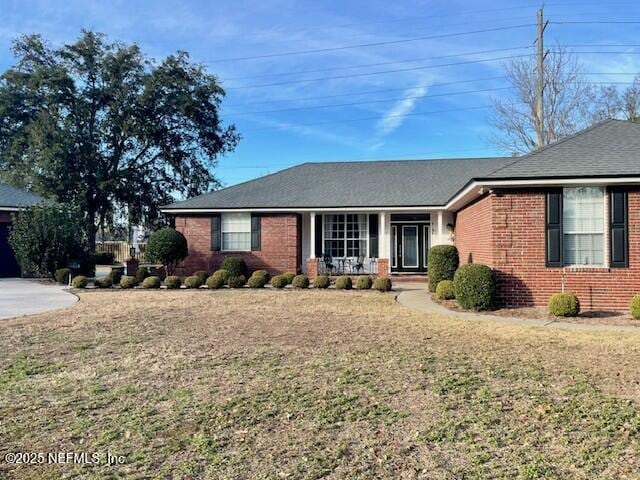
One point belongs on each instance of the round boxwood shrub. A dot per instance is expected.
(257, 281)
(116, 274)
(193, 281)
(564, 305)
(262, 273)
(215, 281)
(237, 282)
(172, 281)
(168, 247)
(634, 309)
(141, 274)
(128, 282)
(62, 275)
(79, 281)
(383, 284)
(445, 290)
(279, 281)
(236, 266)
(474, 286)
(442, 263)
(289, 276)
(344, 283)
(364, 283)
(321, 281)
(103, 282)
(222, 274)
(300, 281)
(151, 282)
(202, 275)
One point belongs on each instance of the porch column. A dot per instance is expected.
(440, 228)
(382, 244)
(312, 262)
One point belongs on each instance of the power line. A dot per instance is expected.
(373, 44)
(350, 104)
(367, 74)
(377, 117)
(330, 69)
(598, 22)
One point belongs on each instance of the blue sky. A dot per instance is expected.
(406, 113)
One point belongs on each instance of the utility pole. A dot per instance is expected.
(540, 81)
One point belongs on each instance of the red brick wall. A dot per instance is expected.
(473, 232)
(280, 245)
(518, 239)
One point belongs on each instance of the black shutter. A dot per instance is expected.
(318, 239)
(373, 235)
(619, 228)
(554, 234)
(255, 232)
(216, 233)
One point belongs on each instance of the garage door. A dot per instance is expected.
(8, 264)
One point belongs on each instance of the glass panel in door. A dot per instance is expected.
(410, 246)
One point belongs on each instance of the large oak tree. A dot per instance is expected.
(104, 127)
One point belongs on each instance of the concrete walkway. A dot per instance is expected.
(416, 297)
(25, 297)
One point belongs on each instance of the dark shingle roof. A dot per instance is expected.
(610, 148)
(393, 183)
(12, 197)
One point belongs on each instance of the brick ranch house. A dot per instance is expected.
(12, 200)
(566, 216)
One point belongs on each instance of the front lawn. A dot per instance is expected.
(295, 384)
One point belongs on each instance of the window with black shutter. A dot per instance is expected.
(553, 229)
(255, 232)
(216, 233)
(619, 228)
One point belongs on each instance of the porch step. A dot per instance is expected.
(407, 277)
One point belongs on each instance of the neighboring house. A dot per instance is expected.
(12, 200)
(564, 217)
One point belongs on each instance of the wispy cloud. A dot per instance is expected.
(396, 115)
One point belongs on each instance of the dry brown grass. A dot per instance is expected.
(294, 384)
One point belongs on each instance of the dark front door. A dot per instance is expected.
(8, 264)
(409, 244)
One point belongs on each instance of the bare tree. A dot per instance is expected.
(610, 102)
(566, 103)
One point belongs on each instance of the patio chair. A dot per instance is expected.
(328, 263)
(359, 264)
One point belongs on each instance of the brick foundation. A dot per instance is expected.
(514, 246)
(280, 246)
(383, 266)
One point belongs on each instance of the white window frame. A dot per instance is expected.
(342, 218)
(235, 223)
(602, 232)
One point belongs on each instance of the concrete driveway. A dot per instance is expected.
(25, 297)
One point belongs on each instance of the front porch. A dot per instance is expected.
(380, 242)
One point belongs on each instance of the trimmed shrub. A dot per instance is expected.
(564, 305)
(321, 281)
(442, 263)
(116, 274)
(289, 276)
(141, 274)
(383, 284)
(237, 282)
(62, 275)
(344, 283)
(168, 247)
(103, 282)
(364, 283)
(202, 275)
(279, 281)
(236, 266)
(222, 274)
(300, 281)
(79, 281)
(257, 281)
(172, 281)
(215, 281)
(151, 282)
(262, 273)
(445, 290)
(474, 286)
(192, 282)
(634, 309)
(128, 281)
